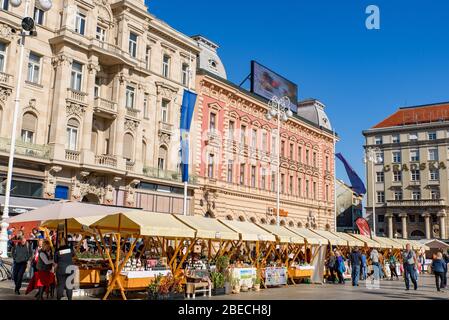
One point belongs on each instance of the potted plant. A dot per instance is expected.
(228, 284)
(153, 288)
(235, 285)
(218, 283)
(257, 283)
(222, 264)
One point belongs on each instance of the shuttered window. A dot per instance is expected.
(128, 143)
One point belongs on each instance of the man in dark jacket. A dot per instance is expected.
(64, 270)
(356, 261)
(21, 254)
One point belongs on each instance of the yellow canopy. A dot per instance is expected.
(331, 238)
(309, 236)
(80, 224)
(351, 241)
(370, 243)
(419, 245)
(249, 231)
(145, 224)
(404, 242)
(389, 242)
(207, 228)
(283, 235)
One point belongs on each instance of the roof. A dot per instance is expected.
(283, 234)
(313, 110)
(437, 112)
(207, 228)
(309, 236)
(333, 239)
(249, 231)
(350, 240)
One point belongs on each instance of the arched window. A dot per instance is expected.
(263, 221)
(291, 224)
(307, 225)
(273, 222)
(253, 220)
(162, 158)
(417, 233)
(72, 134)
(328, 227)
(29, 127)
(282, 223)
(229, 217)
(128, 146)
(242, 218)
(299, 224)
(144, 153)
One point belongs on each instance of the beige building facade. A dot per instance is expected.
(100, 105)
(410, 177)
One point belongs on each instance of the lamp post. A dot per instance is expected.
(279, 108)
(27, 30)
(371, 155)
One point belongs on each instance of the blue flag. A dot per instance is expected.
(357, 183)
(187, 108)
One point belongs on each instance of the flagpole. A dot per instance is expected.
(189, 84)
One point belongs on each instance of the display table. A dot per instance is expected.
(245, 276)
(90, 277)
(301, 272)
(275, 276)
(138, 280)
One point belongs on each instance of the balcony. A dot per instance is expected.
(166, 175)
(6, 80)
(166, 128)
(105, 108)
(130, 166)
(72, 155)
(416, 203)
(213, 139)
(106, 161)
(77, 96)
(132, 114)
(26, 149)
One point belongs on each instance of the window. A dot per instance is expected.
(185, 75)
(145, 106)
(434, 194)
(72, 134)
(38, 16)
(397, 195)
(432, 135)
(416, 195)
(307, 188)
(166, 66)
(299, 154)
(314, 159)
(314, 190)
(254, 139)
(412, 218)
(161, 161)
(100, 34)
(273, 181)
(282, 183)
(97, 87)
(243, 134)
(415, 175)
(29, 125)
(80, 23)
(253, 176)
(414, 155)
(433, 154)
(164, 110)
(144, 153)
(283, 148)
(263, 179)
(397, 176)
(379, 157)
(210, 167)
(212, 122)
(397, 157)
(132, 46)
(327, 192)
(130, 97)
(380, 176)
(34, 67)
(76, 76)
(2, 56)
(413, 136)
(264, 141)
(148, 58)
(230, 171)
(291, 151)
(380, 197)
(378, 140)
(396, 138)
(231, 130)
(307, 156)
(327, 163)
(381, 218)
(434, 175)
(4, 4)
(299, 187)
(242, 174)
(273, 144)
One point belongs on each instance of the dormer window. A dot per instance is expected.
(213, 64)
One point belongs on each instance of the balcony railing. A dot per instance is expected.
(72, 155)
(104, 105)
(26, 149)
(166, 175)
(77, 96)
(130, 165)
(6, 79)
(416, 203)
(165, 127)
(133, 113)
(106, 160)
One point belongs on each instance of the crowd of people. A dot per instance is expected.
(410, 265)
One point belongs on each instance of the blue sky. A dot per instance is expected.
(361, 75)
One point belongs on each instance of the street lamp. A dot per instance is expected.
(280, 109)
(372, 156)
(27, 30)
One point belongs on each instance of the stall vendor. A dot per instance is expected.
(64, 269)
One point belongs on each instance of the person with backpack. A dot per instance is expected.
(356, 262)
(340, 267)
(331, 262)
(410, 267)
(439, 268)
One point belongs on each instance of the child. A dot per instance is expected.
(439, 268)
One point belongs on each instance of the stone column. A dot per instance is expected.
(426, 216)
(389, 217)
(403, 217)
(442, 216)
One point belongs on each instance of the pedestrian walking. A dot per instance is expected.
(356, 262)
(422, 262)
(21, 254)
(64, 269)
(410, 263)
(374, 256)
(439, 268)
(44, 276)
(340, 267)
(331, 263)
(393, 264)
(364, 267)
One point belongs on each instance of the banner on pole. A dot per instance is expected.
(187, 108)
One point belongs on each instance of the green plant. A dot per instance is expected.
(222, 264)
(218, 280)
(257, 280)
(153, 288)
(235, 282)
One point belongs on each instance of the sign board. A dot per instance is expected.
(276, 276)
(244, 275)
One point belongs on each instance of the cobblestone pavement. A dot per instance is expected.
(389, 290)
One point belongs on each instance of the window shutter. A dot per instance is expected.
(29, 122)
(128, 146)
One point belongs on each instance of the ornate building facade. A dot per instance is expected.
(411, 172)
(100, 105)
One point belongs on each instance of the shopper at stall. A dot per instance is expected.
(356, 261)
(410, 266)
(374, 256)
(21, 254)
(44, 276)
(364, 267)
(331, 263)
(64, 269)
(393, 263)
(439, 268)
(340, 267)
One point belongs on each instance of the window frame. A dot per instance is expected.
(80, 22)
(130, 97)
(132, 44)
(77, 76)
(32, 65)
(166, 62)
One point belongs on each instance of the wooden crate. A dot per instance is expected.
(297, 273)
(134, 284)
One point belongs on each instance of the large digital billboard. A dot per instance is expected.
(267, 84)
